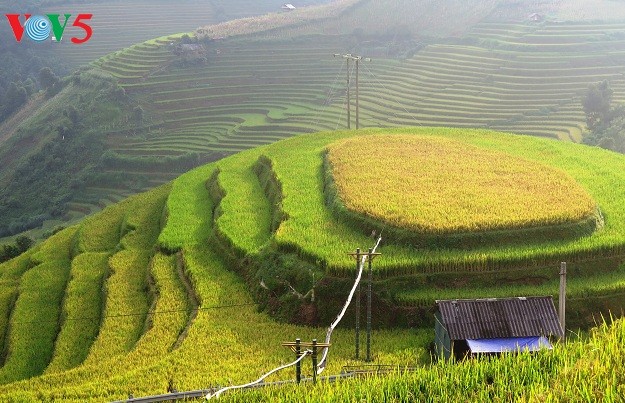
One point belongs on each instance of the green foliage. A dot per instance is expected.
(49, 81)
(272, 212)
(22, 244)
(15, 96)
(20, 66)
(597, 103)
(64, 146)
(609, 132)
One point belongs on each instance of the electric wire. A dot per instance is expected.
(322, 363)
(259, 380)
(394, 97)
(329, 97)
(124, 315)
(338, 122)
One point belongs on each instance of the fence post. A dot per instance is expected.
(314, 360)
(298, 366)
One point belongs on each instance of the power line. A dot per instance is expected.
(357, 60)
(395, 97)
(338, 121)
(124, 315)
(328, 100)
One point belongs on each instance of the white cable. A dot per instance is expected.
(259, 380)
(322, 363)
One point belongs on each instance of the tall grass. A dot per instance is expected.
(585, 370)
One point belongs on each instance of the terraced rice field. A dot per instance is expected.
(251, 94)
(501, 193)
(139, 299)
(117, 25)
(520, 78)
(97, 312)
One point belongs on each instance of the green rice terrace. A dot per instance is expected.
(117, 25)
(254, 93)
(244, 83)
(157, 292)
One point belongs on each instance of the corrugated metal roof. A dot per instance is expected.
(500, 317)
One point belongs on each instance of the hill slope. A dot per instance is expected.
(141, 298)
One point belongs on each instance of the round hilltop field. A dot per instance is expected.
(438, 189)
(287, 215)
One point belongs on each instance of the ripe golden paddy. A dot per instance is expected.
(439, 185)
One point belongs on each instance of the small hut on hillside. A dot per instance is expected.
(494, 325)
(535, 17)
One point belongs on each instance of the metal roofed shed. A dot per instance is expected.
(495, 325)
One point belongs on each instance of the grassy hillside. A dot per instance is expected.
(158, 292)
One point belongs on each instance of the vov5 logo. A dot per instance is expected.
(38, 27)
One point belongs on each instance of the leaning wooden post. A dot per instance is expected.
(562, 297)
(298, 366)
(314, 360)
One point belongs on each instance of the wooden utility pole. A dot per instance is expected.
(370, 257)
(357, 60)
(562, 296)
(358, 255)
(296, 347)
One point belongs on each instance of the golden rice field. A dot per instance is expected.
(439, 185)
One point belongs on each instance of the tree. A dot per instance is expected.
(137, 114)
(23, 243)
(72, 113)
(608, 131)
(596, 103)
(48, 79)
(15, 97)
